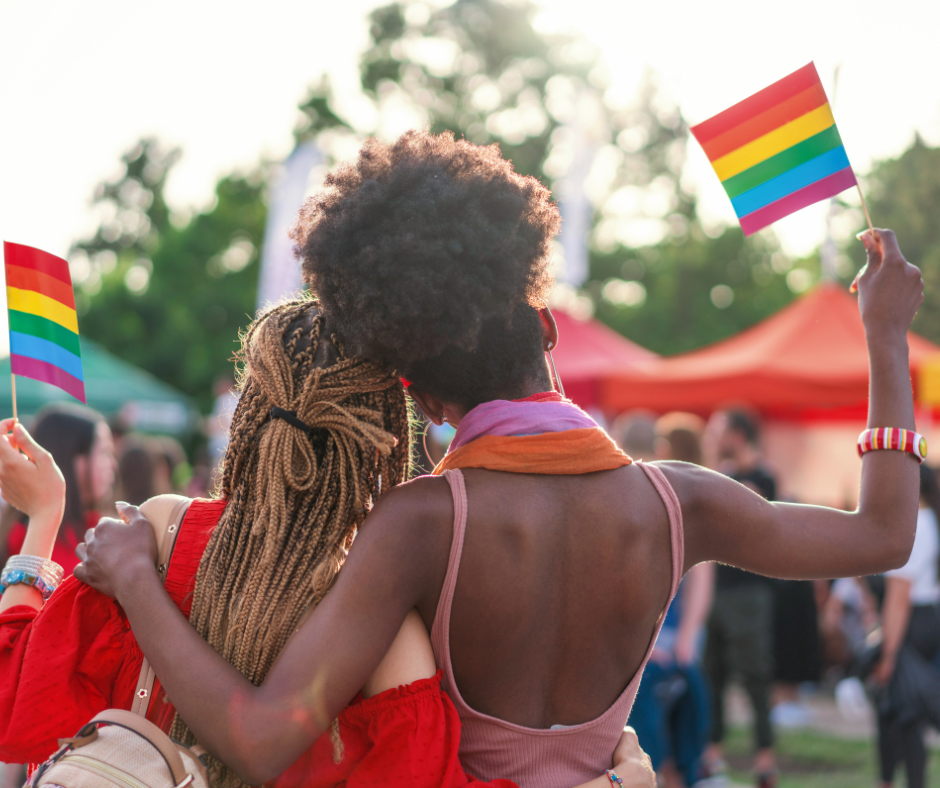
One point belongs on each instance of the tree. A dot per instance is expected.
(904, 194)
(171, 296)
(168, 297)
(479, 68)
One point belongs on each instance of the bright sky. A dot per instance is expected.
(80, 82)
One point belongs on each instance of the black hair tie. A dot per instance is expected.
(291, 418)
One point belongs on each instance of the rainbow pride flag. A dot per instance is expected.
(778, 150)
(43, 325)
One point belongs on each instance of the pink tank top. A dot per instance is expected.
(540, 757)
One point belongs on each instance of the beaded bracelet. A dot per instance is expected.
(614, 779)
(893, 438)
(40, 573)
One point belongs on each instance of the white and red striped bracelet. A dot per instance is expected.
(893, 438)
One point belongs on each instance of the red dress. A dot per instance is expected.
(77, 656)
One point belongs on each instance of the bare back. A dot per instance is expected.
(561, 584)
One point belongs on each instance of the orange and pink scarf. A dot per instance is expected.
(544, 433)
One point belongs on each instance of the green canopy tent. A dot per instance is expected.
(113, 387)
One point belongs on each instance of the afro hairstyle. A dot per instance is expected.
(420, 245)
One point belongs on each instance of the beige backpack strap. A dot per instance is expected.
(166, 513)
(147, 730)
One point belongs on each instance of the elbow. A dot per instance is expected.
(253, 767)
(256, 765)
(253, 774)
(894, 543)
(899, 553)
(259, 753)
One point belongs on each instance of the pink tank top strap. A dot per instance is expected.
(674, 511)
(440, 630)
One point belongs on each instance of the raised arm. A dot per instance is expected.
(724, 521)
(33, 483)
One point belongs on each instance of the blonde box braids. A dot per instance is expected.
(295, 496)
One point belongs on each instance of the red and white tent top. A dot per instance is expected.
(809, 360)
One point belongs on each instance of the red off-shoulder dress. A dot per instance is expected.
(77, 656)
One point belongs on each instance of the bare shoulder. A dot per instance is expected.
(716, 510)
(409, 659)
(694, 485)
(407, 536)
(419, 504)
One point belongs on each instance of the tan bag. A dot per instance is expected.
(129, 751)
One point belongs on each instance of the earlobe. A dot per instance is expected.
(429, 406)
(549, 329)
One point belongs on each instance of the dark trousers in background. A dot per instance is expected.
(740, 643)
(897, 743)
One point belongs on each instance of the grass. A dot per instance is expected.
(809, 759)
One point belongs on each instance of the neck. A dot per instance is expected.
(453, 414)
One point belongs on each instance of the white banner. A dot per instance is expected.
(280, 271)
(576, 209)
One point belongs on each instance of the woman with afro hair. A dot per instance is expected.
(539, 557)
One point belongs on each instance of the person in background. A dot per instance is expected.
(171, 470)
(135, 471)
(909, 617)
(740, 627)
(79, 440)
(635, 433)
(220, 420)
(848, 614)
(671, 715)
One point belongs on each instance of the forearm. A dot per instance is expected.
(39, 541)
(224, 710)
(889, 487)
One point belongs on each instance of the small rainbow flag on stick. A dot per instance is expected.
(778, 150)
(43, 325)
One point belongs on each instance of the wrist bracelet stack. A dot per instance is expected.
(614, 779)
(40, 573)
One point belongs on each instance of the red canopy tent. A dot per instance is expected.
(587, 352)
(808, 361)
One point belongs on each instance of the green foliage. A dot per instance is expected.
(317, 114)
(679, 313)
(477, 68)
(170, 298)
(903, 194)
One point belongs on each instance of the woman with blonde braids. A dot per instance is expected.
(316, 438)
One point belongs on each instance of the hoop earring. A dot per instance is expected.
(424, 439)
(558, 383)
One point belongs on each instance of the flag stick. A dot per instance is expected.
(13, 385)
(854, 287)
(865, 209)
